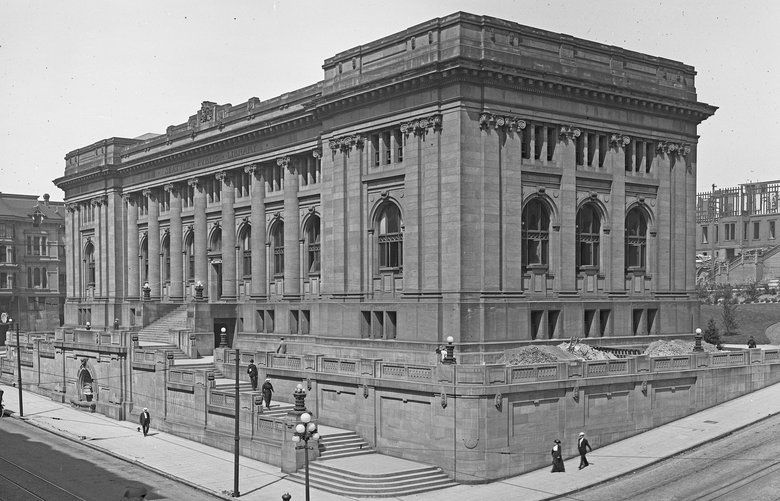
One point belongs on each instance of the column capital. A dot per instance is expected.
(283, 161)
(568, 132)
(172, 188)
(619, 140)
(345, 143)
(151, 193)
(70, 207)
(101, 200)
(420, 126)
(501, 122)
(225, 177)
(251, 169)
(317, 153)
(195, 182)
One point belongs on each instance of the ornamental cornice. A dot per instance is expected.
(345, 143)
(420, 126)
(501, 122)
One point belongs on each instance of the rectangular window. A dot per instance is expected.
(745, 232)
(4, 255)
(4, 281)
(537, 325)
(730, 231)
(551, 143)
(387, 148)
(260, 320)
(649, 156)
(652, 320)
(628, 151)
(377, 324)
(390, 325)
(771, 230)
(552, 323)
(305, 321)
(592, 148)
(756, 230)
(375, 148)
(636, 322)
(365, 324)
(538, 141)
(29, 245)
(717, 228)
(525, 146)
(589, 329)
(704, 237)
(293, 321)
(604, 326)
(602, 149)
(579, 150)
(269, 320)
(399, 145)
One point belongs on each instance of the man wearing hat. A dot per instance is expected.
(583, 446)
(145, 420)
(268, 389)
(557, 458)
(252, 371)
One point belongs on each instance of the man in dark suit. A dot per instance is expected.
(145, 420)
(583, 446)
(252, 371)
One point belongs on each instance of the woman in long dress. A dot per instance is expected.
(557, 457)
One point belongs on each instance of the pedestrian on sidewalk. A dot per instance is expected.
(583, 446)
(2, 409)
(557, 458)
(252, 371)
(145, 420)
(268, 389)
(282, 348)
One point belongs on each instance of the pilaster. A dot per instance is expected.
(257, 222)
(133, 277)
(177, 268)
(292, 223)
(228, 236)
(153, 243)
(566, 153)
(201, 234)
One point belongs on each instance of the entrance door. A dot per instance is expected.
(230, 326)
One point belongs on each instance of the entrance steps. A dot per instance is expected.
(157, 332)
(373, 475)
(344, 444)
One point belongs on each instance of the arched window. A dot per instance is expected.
(246, 251)
(216, 241)
(189, 248)
(89, 260)
(636, 239)
(536, 234)
(277, 245)
(588, 237)
(313, 245)
(390, 240)
(166, 258)
(144, 261)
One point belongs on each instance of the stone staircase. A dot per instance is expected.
(157, 331)
(346, 444)
(156, 334)
(395, 482)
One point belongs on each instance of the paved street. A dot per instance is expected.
(36, 464)
(743, 465)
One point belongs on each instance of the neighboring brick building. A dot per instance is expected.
(737, 229)
(468, 177)
(32, 263)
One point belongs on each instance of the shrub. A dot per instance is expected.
(712, 333)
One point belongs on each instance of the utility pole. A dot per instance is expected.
(19, 370)
(236, 437)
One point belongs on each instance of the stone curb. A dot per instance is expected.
(74, 438)
(661, 459)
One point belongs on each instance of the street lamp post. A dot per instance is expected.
(697, 341)
(449, 357)
(19, 369)
(305, 431)
(223, 338)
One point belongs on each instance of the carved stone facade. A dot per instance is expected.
(435, 183)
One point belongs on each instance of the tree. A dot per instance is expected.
(712, 333)
(752, 291)
(729, 317)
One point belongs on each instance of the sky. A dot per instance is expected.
(75, 72)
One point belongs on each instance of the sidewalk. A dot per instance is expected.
(184, 460)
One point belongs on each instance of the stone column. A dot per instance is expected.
(228, 236)
(662, 278)
(292, 222)
(615, 162)
(201, 235)
(177, 269)
(77, 256)
(70, 253)
(257, 221)
(568, 208)
(133, 285)
(153, 243)
(99, 253)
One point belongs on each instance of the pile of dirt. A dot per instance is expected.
(543, 354)
(584, 352)
(664, 348)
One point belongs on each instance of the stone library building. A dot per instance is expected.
(468, 177)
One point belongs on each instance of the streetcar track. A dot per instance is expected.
(740, 482)
(15, 465)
